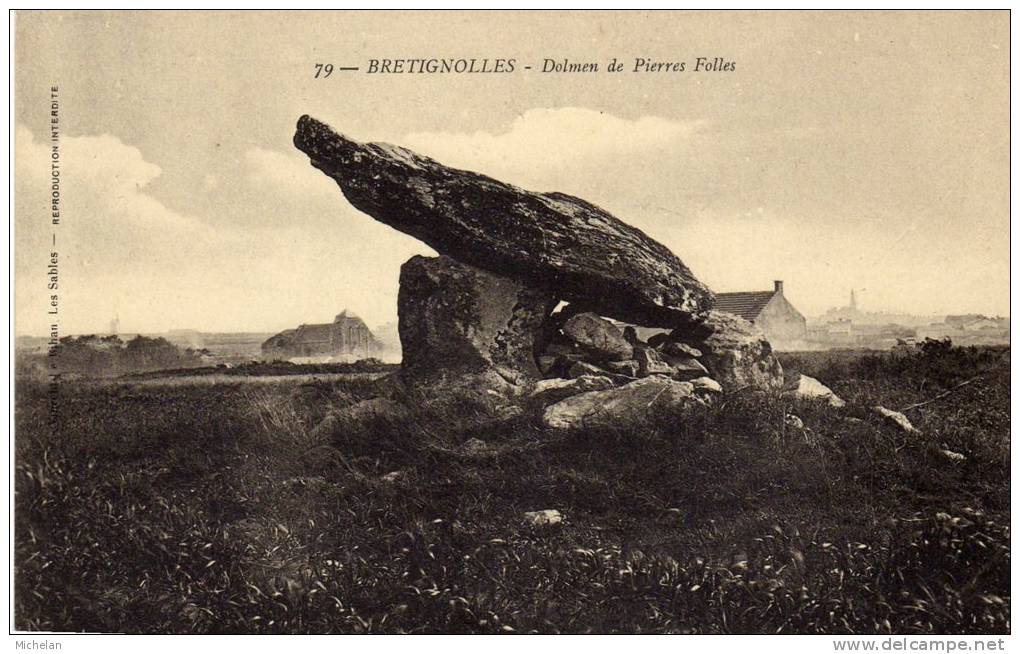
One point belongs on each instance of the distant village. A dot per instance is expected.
(850, 327)
(347, 338)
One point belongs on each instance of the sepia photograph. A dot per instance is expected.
(511, 322)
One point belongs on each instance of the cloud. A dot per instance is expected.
(305, 254)
(105, 187)
(116, 242)
(318, 237)
(288, 172)
(535, 145)
(541, 141)
(747, 250)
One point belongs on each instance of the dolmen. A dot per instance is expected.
(535, 299)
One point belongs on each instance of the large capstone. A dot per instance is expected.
(543, 240)
(468, 328)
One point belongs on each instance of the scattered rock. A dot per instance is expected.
(734, 351)
(360, 419)
(955, 457)
(392, 477)
(564, 313)
(583, 369)
(548, 391)
(308, 484)
(466, 329)
(561, 348)
(630, 335)
(706, 385)
(541, 239)
(630, 367)
(685, 367)
(474, 446)
(624, 406)
(658, 340)
(809, 388)
(546, 364)
(544, 518)
(794, 421)
(508, 412)
(676, 349)
(896, 419)
(650, 363)
(598, 337)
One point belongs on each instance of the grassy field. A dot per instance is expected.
(208, 507)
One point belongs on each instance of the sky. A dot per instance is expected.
(864, 150)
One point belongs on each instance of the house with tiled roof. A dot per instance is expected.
(346, 339)
(769, 310)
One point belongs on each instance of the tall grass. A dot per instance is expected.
(220, 508)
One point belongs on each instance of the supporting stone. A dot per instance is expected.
(734, 351)
(465, 329)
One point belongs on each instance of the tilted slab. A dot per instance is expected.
(577, 251)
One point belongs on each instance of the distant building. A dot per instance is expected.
(834, 333)
(964, 321)
(860, 317)
(769, 310)
(969, 329)
(347, 338)
(976, 321)
(849, 313)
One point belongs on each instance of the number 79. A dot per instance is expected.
(323, 70)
